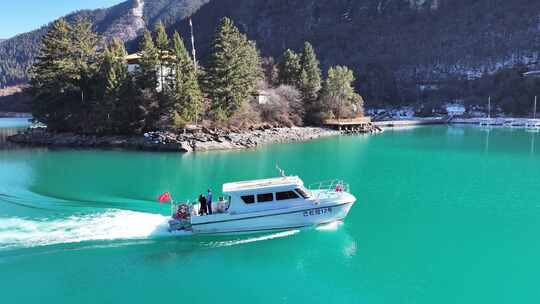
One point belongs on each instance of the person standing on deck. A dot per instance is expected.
(202, 201)
(209, 201)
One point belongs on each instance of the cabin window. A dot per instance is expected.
(248, 199)
(265, 197)
(302, 192)
(286, 195)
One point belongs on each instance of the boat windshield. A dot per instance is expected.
(303, 192)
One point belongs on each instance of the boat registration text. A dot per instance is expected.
(318, 211)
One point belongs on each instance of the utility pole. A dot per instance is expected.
(193, 52)
(534, 110)
(489, 107)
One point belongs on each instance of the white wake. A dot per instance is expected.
(254, 239)
(110, 225)
(332, 226)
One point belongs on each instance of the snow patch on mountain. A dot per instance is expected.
(138, 8)
(131, 26)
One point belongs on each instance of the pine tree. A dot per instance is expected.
(339, 99)
(233, 71)
(65, 72)
(146, 72)
(82, 73)
(165, 101)
(147, 81)
(187, 95)
(48, 81)
(163, 46)
(83, 55)
(289, 68)
(114, 73)
(310, 82)
(114, 66)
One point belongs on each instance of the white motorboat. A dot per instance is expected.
(265, 205)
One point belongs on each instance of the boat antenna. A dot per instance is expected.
(281, 171)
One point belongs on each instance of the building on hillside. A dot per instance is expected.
(262, 97)
(455, 109)
(134, 59)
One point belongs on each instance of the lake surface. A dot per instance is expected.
(444, 215)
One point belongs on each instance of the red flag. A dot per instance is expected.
(164, 198)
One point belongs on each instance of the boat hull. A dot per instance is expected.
(306, 216)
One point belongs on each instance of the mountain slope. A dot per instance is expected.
(124, 21)
(394, 46)
(391, 44)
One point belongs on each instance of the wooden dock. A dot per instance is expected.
(352, 125)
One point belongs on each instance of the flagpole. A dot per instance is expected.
(193, 51)
(194, 54)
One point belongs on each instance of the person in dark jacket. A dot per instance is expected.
(209, 201)
(203, 210)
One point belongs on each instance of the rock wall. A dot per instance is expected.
(203, 140)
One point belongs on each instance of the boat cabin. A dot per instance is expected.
(265, 194)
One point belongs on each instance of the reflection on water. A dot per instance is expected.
(8, 127)
(533, 135)
(96, 212)
(4, 134)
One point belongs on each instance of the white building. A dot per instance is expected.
(262, 97)
(162, 74)
(455, 109)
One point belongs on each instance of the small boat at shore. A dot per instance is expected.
(489, 122)
(273, 204)
(533, 125)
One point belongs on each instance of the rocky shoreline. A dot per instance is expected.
(188, 141)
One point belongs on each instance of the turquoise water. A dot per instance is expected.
(444, 215)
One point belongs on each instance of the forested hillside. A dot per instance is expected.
(396, 47)
(393, 45)
(124, 21)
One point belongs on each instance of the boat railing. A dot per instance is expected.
(329, 188)
(220, 206)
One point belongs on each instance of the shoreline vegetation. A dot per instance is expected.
(92, 93)
(87, 88)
